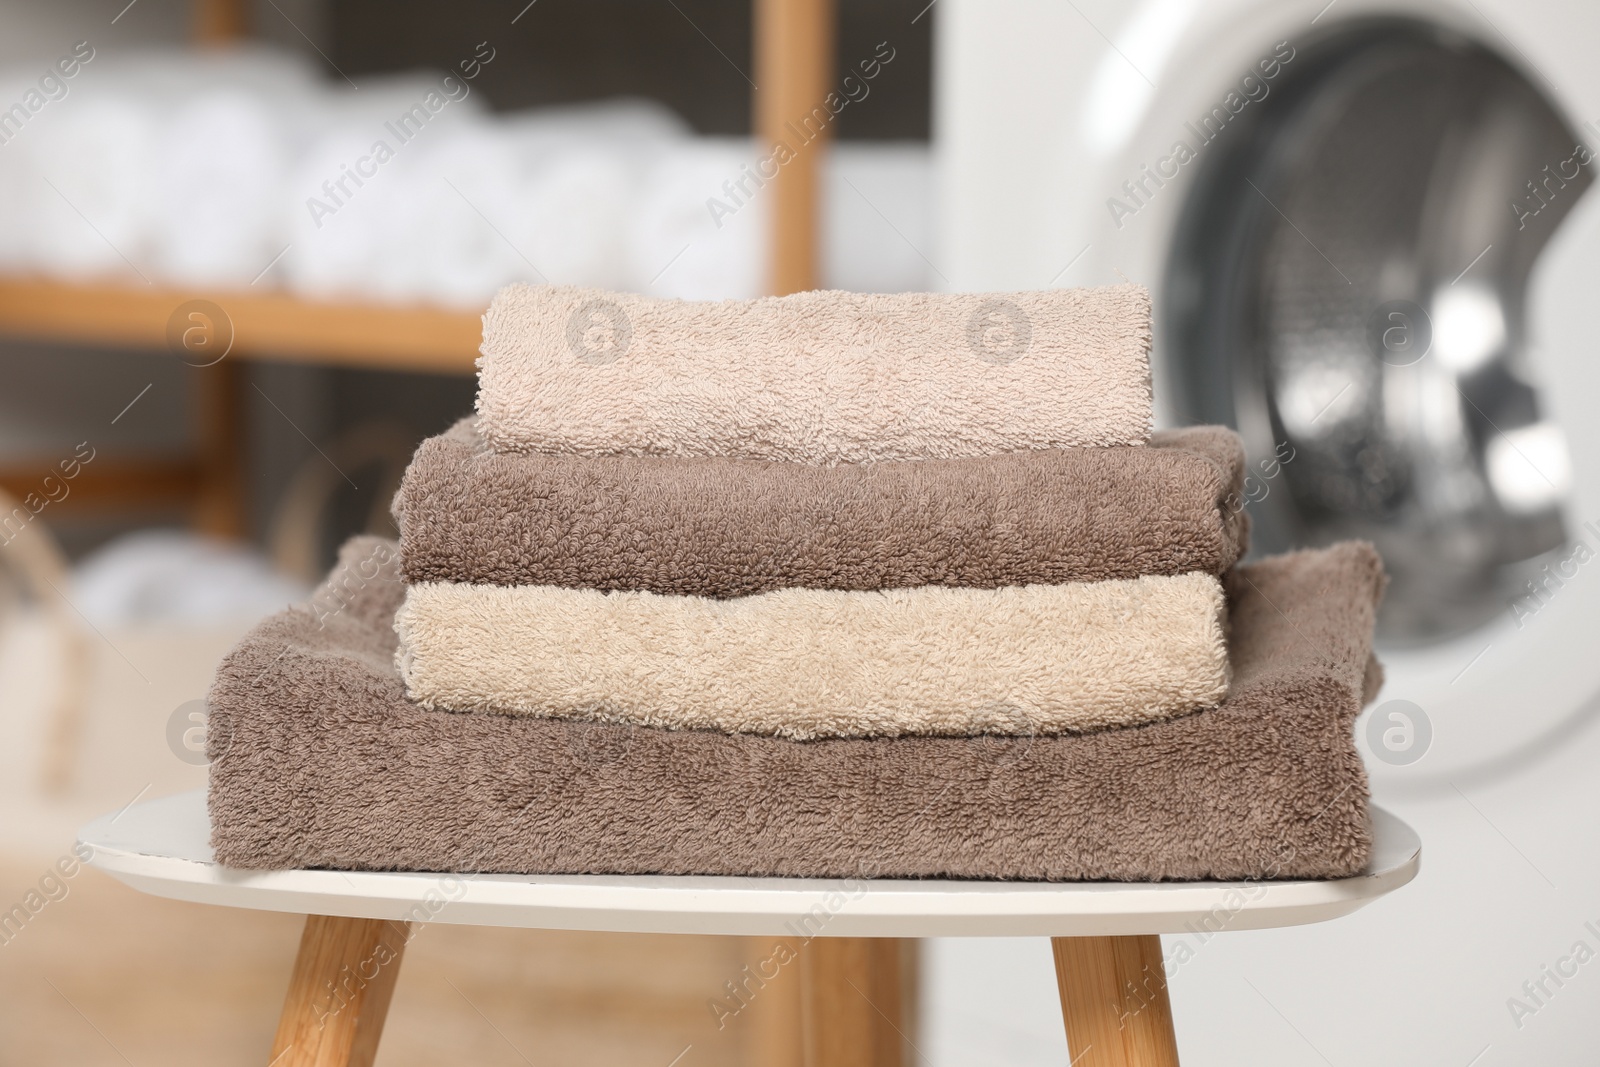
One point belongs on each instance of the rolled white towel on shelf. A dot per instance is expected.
(577, 209)
(106, 149)
(166, 76)
(384, 98)
(583, 168)
(464, 232)
(619, 122)
(332, 253)
(227, 125)
(87, 181)
(199, 168)
(220, 169)
(348, 238)
(683, 243)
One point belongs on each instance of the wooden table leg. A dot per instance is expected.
(339, 992)
(856, 1001)
(1114, 1001)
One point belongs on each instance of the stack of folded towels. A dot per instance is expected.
(829, 585)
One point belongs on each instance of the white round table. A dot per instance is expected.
(1106, 935)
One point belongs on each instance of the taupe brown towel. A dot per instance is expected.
(810, 663)
(320, 761)
(818, 377)
(729, 527)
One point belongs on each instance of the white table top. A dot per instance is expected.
(161, 847)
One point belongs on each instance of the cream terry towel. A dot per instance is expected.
(808, 663)
(818, 377)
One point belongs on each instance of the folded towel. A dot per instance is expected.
(320, 761)
(713, 526)
(807, 663)
(819, 377)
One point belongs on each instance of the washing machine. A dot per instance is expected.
(1368, 234)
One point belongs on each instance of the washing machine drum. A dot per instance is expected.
(1346, 286)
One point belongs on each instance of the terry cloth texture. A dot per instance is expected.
(320, 761)
(819, 377)
(723, 527)
(807, 663)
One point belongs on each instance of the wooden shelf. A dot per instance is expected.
(266, 325)
(109, 485)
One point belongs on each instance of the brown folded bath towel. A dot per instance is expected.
(728, 527)
(819, 377)
(321, 762)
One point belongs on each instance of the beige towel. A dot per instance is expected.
(819, 377)
(808, 663)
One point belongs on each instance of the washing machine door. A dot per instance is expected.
(1347, 287)
(1349, 284)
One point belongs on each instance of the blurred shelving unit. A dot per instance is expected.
(257, 325)
(793, 49)
(374, 336)
(793, 60)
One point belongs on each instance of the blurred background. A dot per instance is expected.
(220, 344)
(227, 316)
